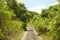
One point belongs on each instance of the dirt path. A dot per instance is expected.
(30, 34)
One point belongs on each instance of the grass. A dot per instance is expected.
(46, 37)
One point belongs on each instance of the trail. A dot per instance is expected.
(30, 34)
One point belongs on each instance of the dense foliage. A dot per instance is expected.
(48, 22)
(21, 12)
(13, 19)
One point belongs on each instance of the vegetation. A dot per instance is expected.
(14, 19)
(48, 22)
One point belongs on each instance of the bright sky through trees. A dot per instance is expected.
(37, 5)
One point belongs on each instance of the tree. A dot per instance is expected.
(9, 28)
(58, 1)
(21, 12)
(48, 22)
